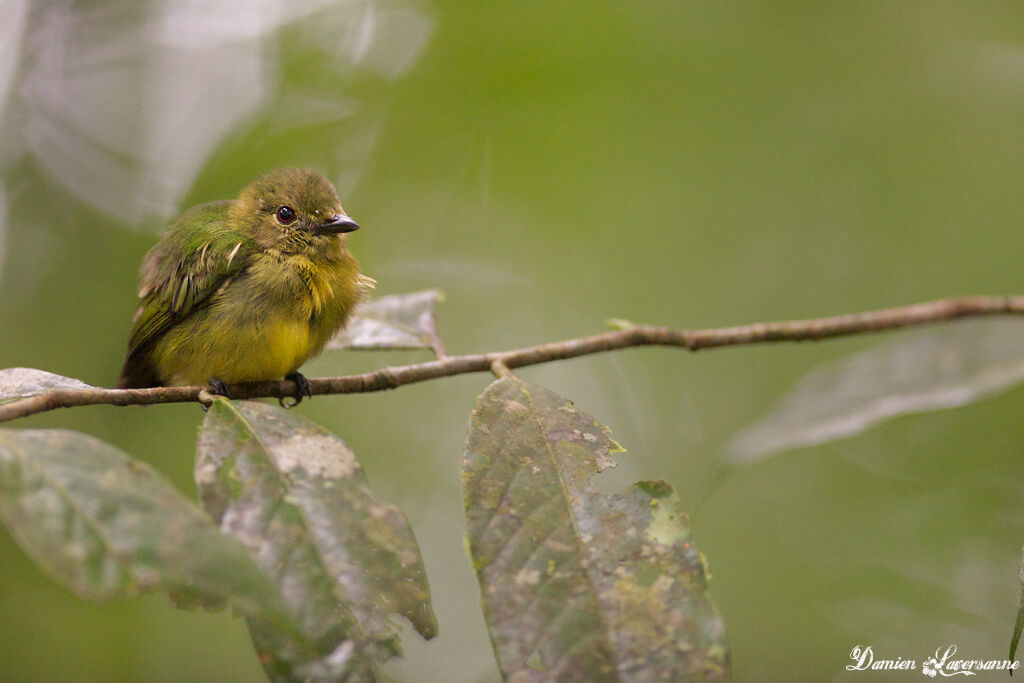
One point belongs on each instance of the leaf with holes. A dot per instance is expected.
(296, 497)
(600, 587)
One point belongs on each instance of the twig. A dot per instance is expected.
(499, 369)
(640, 335)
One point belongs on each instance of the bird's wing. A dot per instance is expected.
(199, 254)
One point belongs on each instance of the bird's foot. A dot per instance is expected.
(302, 388)
(205, 399)
(219, 387)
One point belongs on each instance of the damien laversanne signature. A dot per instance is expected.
(942, 663)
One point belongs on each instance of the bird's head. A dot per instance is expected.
(291, 206)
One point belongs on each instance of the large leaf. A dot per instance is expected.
(601, 587)
(296, 497)
(942, 367)
(105, 525)
(397, 321)
(18, 383)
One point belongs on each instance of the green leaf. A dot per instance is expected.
(105, 525)
(16, 383)
(601, 587)
(398, 321)
(1019, 625)
(297, 499)
(943, 367)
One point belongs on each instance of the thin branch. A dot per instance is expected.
(640, 335)
(499, 369)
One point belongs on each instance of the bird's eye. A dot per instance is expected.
(285, 215)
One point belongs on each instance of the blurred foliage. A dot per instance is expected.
(397, 321)
(549, 166)
(952, 365)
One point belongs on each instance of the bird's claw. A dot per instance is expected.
(219, 387)
(205, 399)
(302, 388)
(206, 395)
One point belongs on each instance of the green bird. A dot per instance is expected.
(247, 289)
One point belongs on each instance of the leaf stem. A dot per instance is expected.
(499, 369)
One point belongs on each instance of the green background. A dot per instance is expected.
(550, 165)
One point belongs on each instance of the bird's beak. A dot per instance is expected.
(339, 223)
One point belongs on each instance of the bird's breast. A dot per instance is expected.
(308, 285)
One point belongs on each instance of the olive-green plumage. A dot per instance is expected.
(247, 289)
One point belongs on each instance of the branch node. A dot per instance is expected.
(620, 324)
(499, 368)
(440, 352)
(205, 399)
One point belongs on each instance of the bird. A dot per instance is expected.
(247, 289)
